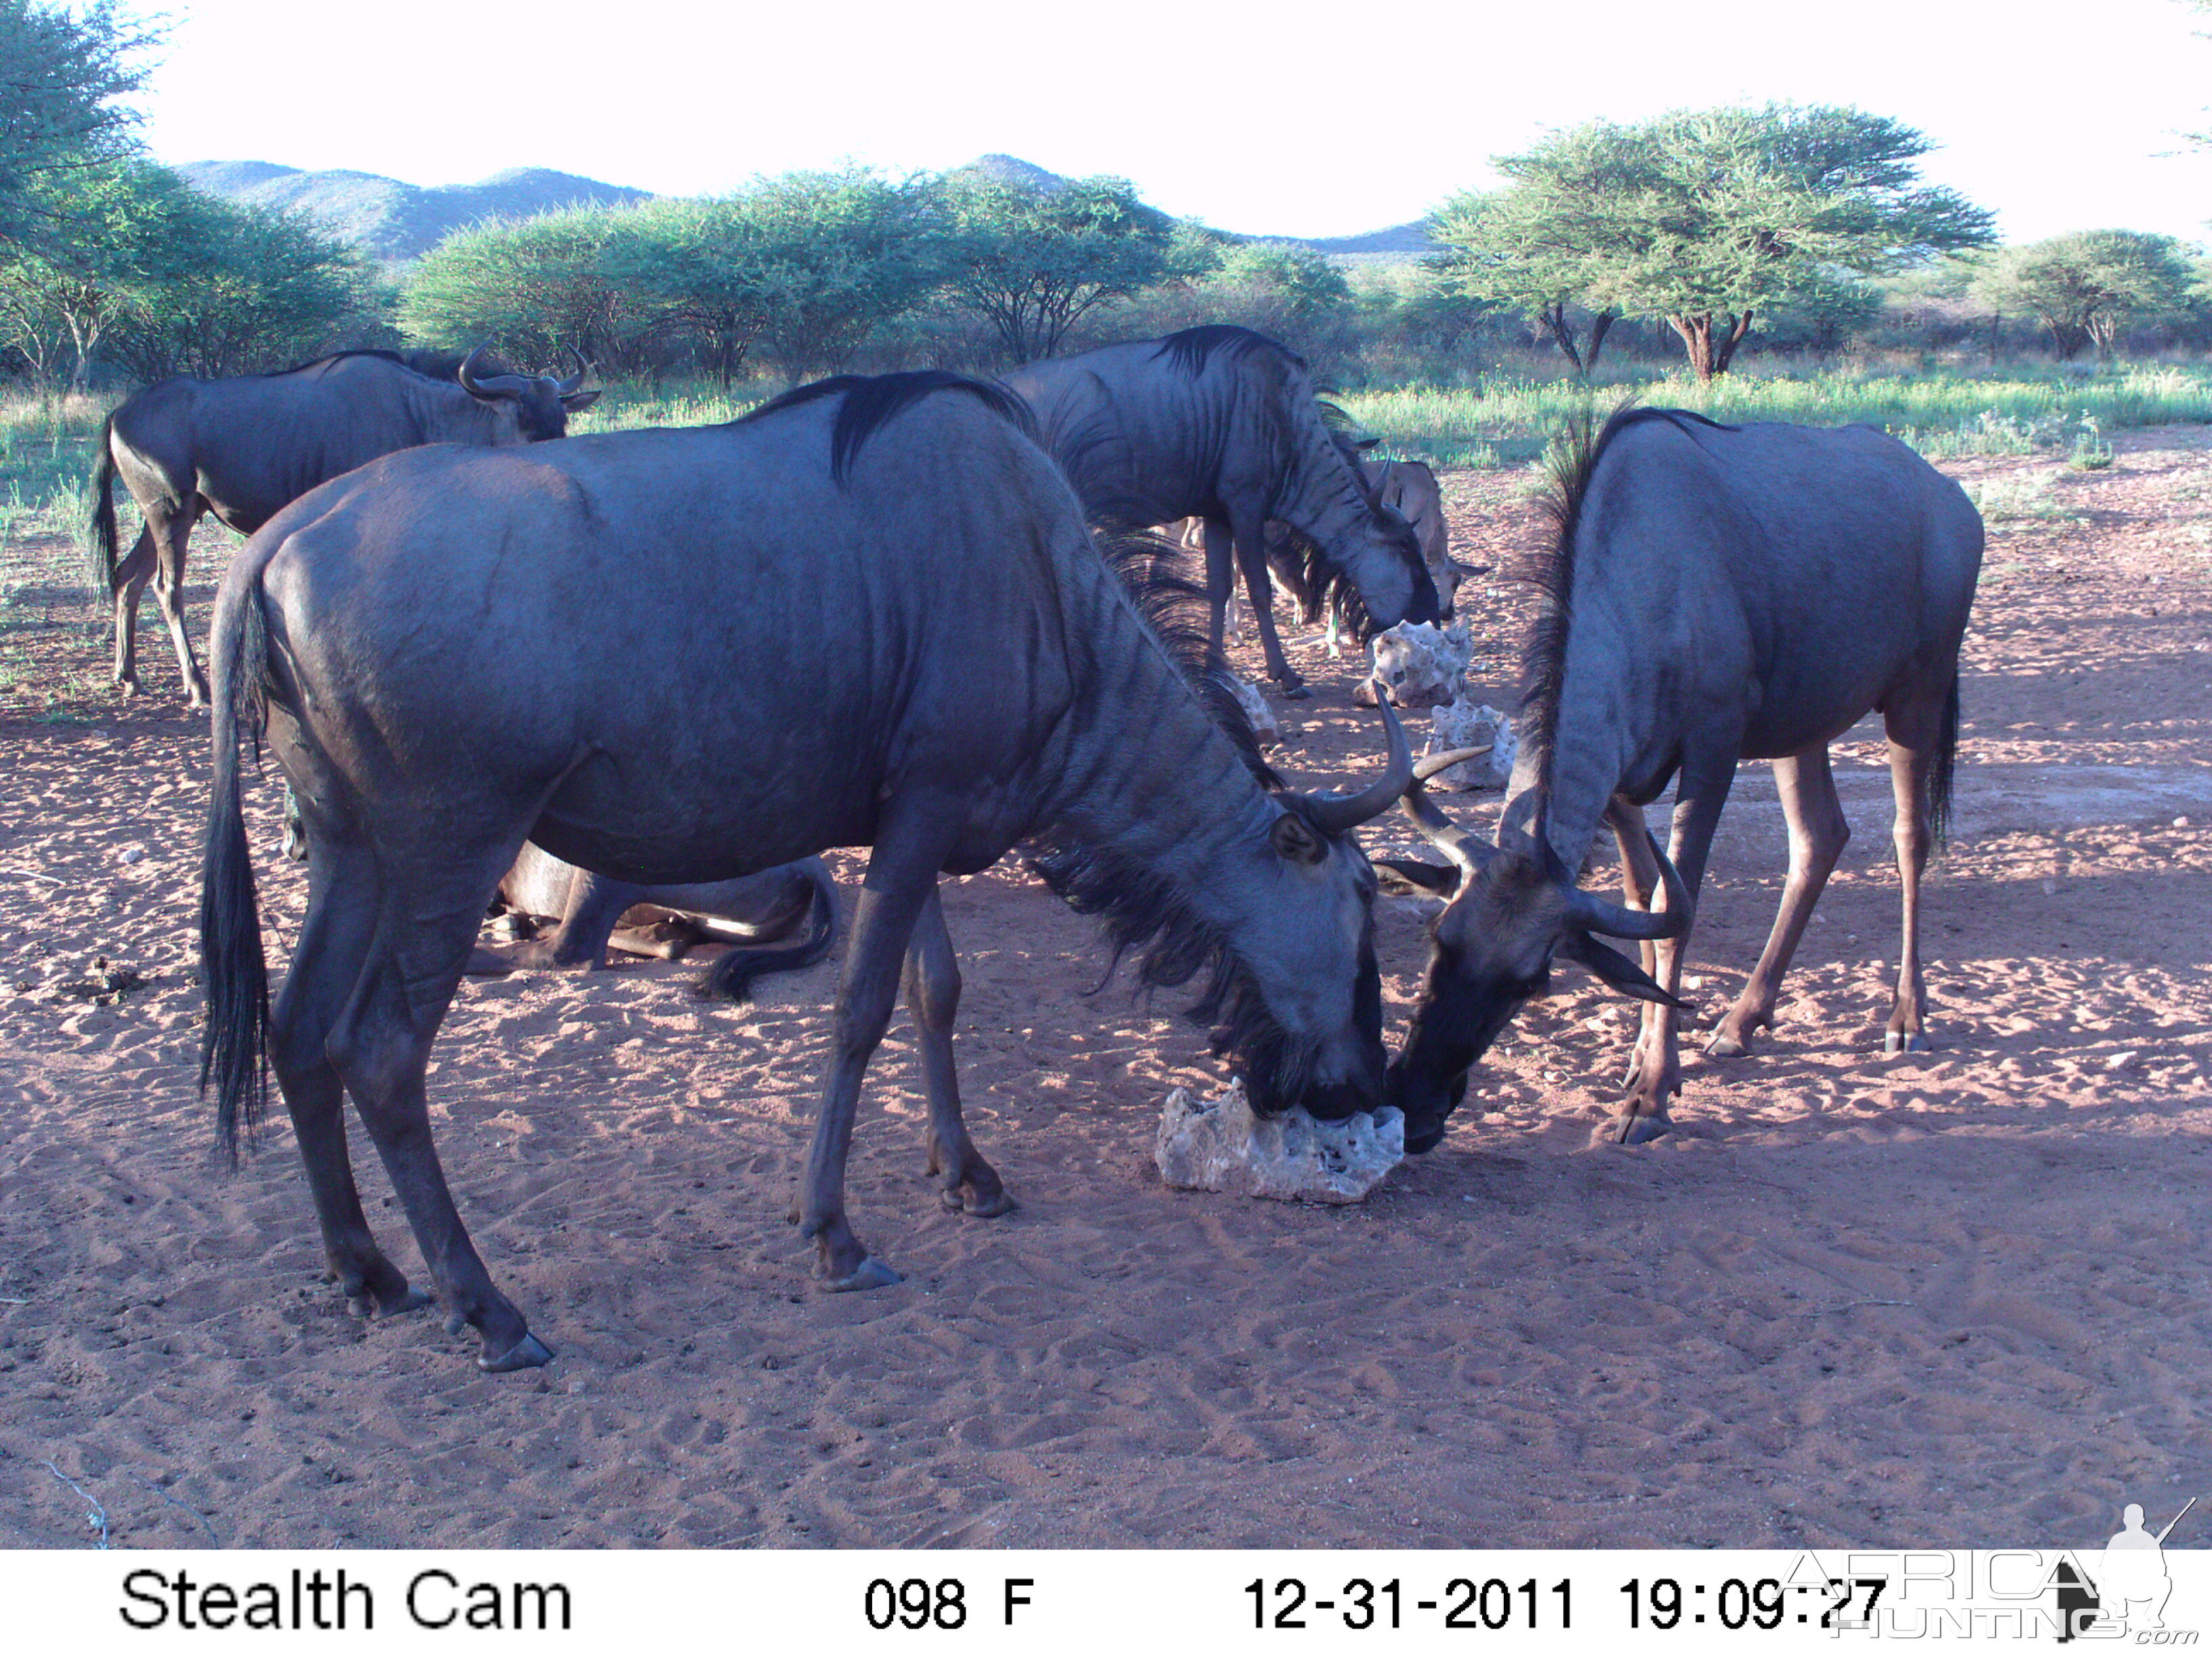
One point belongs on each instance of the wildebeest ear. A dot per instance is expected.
(1410, 878)
(577, 402)
(1365, 444)
(1615, 968)
(1296, 840)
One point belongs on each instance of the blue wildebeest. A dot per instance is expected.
(243, 447)
(657, 703)
(1221, 424)
(1714, 593)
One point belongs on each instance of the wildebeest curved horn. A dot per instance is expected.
(1462, 846)
(1429, 765)
(1337, 813)
(574, 383)
(490, 385)
(1616, 920)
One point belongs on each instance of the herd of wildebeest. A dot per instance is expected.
(919, 613)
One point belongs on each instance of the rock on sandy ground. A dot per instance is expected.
(1955, 1296)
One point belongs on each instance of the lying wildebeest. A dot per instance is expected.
(243, 447)
(656, 702)
(667, 919)
(1715, 593)
(1221, 424)
(586, 912)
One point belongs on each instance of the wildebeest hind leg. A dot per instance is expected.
(173, 535)
(326, 963)
(1817, 835)
(1915, 734)
(130, 578)
(965, 1180)
(381, 1046)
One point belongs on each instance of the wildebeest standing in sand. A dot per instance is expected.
(1221, 424)
(739, 645)
(243, 447)
(1714, 593)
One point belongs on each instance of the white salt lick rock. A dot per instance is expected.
(1223, 1146)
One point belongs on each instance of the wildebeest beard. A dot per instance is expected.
(1142, 912)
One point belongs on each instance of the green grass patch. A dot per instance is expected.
(1506, 421)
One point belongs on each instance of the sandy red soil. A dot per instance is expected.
(1950, 1297)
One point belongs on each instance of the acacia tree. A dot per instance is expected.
(1708, 219)
(137, 230)
(242, 288)
(61, 73)
(839, 254)
(698, 265)
(2088, 285)
(529, 288)
(1032, 257)
(1535, 247)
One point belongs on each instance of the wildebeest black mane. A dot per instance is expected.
(1574, 457)
(870, 400)
(1174, 607)
(1189, 349)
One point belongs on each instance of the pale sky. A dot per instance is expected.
(1270, 119)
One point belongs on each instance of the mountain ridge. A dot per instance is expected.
(397, 221)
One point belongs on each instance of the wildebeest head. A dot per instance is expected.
(1511, 913)
(1383, 569)
(1303, 1030)
(538, 404)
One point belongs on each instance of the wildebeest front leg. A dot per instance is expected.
(1655, 1075)
(965, 1180)
(1250, 534)
(1817, 835)
(1220, 574)
(333, 942)
(381, 1047)
(899, 886)
(1915, 733)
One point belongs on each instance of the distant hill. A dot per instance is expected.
(397, 221)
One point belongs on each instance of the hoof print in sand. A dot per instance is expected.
(1222, 1147)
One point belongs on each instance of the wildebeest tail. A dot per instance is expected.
(100, 553)
(730, 978)
(1939, 774)
(235, 1050)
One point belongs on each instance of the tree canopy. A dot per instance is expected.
(2088, 285)
(1033, 257)
(1707, 219)
(61, 75)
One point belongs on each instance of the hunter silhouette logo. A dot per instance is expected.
(2131, 1585)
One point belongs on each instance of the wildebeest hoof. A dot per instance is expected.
(1724, 1047)
(869, 1275)
(1636, 1129)
(1903, 1042)
(1296, 693)
(364, 1305)
(455, 1324)
(521, 1357)
(968, 1203)
(487, 964)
